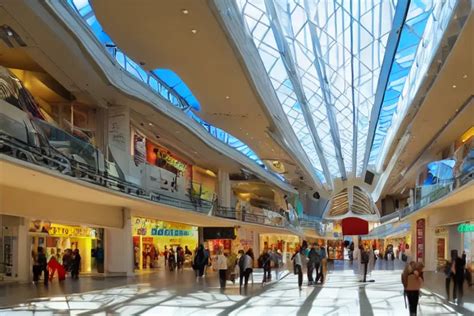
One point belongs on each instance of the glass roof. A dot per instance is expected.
(333, 63)
(164, 82)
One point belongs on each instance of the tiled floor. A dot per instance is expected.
(180, 293)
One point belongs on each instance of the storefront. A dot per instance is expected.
(216, 238)
(335, 249)
(285, 244)
(56, 239)
(467, 231)
(8, 246)
(151, 236)
(459, 236)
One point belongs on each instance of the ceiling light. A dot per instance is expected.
(185, 11)
(227, 97)
(194, 31)
(150, 124)
(464, 77)
(454, 86)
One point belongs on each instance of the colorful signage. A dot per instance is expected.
(160, 157)
(58, 230)
(420, 240)
(151, 227)
(465, 228)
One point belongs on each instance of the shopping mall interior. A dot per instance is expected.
(237, 157)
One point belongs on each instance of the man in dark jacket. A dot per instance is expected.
(457, 269)
(314, 261)
(265, 262)
(42, 263)
(200, 261)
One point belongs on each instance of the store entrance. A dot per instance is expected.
(157, 244)
(59, 241)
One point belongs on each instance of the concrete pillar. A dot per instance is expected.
(119, 247)
(430, 246)
(224, 190)
(24, 255)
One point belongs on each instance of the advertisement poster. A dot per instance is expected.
(420, 240)
(139, 148)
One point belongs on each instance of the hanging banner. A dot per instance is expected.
(420, 240)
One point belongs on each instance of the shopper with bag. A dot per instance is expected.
(412, 280)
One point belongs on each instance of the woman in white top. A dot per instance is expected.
(222, 267)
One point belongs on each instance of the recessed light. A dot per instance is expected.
(227, 97)
(150, 124)
(185, 11)
(194, 31)
(464, 77)
(454, 86)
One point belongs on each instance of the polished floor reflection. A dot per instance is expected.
(182, 294)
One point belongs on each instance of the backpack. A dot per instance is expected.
(365, 257)
(242, 263)
(447, 269)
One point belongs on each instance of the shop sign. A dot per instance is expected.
(57, 230)
(465, 228)
(150, 227)
(420, 240)
(172, 161)
(441, 230)
(71, 231)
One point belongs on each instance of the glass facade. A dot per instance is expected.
(325, 60)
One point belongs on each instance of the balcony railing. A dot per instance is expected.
(441, 190)
(250, 217)
(40, 156)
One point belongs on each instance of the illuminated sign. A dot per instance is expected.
(151, 227)
(465, 228)
(58, 230)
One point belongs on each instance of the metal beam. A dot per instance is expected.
(401, 12)
(327, 96)
(297, 86)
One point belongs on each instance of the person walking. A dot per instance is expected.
(251, 262)
(313, 256)
(458, 266)
(222, 268)
(448, 277)
(165, 254)
(76, 264)
(245, 266)
(298, 265)
(323, 264)
(199, 261)
(42, 263)
(265, 262)
(208, 263)
(412, 279)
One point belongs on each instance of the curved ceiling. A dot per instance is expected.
(158, 35)
(345, 72)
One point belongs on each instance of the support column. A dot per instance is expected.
(224, 191)
(119, 247)
(23, 252)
